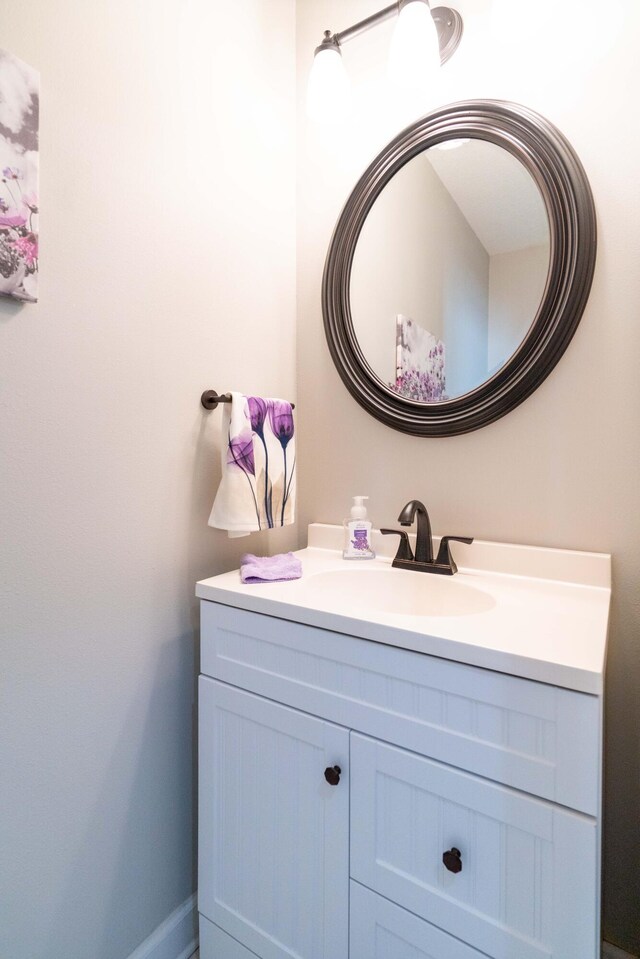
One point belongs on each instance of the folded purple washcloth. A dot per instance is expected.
(270, 569)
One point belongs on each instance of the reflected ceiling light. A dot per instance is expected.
(424, 39)
(451, 144)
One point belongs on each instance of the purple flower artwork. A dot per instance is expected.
(264, 452)
(19, 114)
(420, 362)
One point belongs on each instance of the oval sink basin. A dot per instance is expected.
(400, 591)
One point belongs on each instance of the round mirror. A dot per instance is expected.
(459, 268)
(449, 270)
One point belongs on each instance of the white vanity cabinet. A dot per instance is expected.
(498, 772)
(274, 835)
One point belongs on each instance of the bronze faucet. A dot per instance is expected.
(423, 560)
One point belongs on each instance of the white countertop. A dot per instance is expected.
(547, 622)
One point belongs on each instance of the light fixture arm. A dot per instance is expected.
(448, 24)
(363, 25)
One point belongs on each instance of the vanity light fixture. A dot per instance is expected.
(424, 39)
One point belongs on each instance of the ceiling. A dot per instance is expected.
(495, 193)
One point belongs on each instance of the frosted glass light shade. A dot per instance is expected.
(414, 57)
(329, 90)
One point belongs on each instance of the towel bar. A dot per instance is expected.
(210, 399)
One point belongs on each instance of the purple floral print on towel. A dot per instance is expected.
(264, 451)
(281, 419)
(258, 409)
(241, 453)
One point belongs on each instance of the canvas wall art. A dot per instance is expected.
(420, 362)
(19, 114)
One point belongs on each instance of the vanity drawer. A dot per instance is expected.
(527, 886)
(381, 930)
(535, 737)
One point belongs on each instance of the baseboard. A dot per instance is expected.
(610, 951)
(175, 938)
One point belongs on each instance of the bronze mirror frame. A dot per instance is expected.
(565, 190)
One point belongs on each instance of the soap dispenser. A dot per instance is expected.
(357, 532)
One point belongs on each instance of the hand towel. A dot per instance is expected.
(257, 489)
(270, 569)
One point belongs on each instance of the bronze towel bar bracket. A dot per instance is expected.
(210, 399)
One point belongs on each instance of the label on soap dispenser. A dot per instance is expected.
(360, 539)
(358, 545)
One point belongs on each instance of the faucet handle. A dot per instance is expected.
(444, 557)
(404, 548)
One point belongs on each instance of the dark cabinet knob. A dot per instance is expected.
(452, 860)
(332, 775)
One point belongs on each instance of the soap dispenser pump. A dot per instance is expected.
(357, 532)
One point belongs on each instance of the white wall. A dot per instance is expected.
(392, 270)
(402, 265)
(167, 259)
(562, 469)
(516, 284)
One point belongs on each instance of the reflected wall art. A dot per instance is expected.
(19, 114)
(420, 362)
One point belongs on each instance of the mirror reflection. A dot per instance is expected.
(449, 270)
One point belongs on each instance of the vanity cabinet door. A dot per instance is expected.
(512, 875)
(273, 835)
